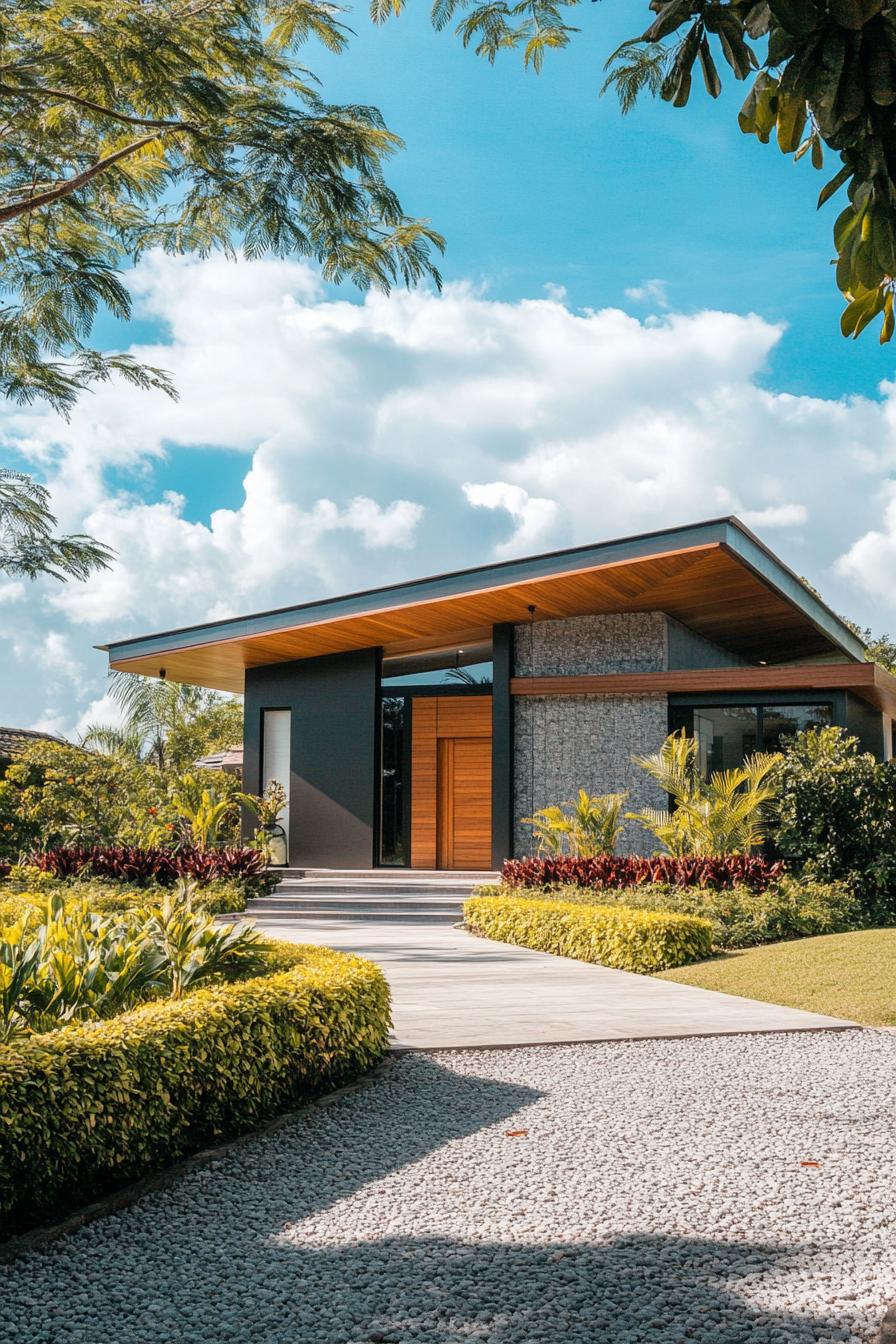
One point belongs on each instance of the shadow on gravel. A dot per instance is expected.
(223, 1256)
(631, 1290)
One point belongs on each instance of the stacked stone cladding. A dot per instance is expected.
(564, 743)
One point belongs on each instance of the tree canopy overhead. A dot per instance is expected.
(820, 73)
(181, 124)
(28, 546)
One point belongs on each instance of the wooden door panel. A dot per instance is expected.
(471, 803)
(451, 781)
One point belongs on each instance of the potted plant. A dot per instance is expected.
(270, 836)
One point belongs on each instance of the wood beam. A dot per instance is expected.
(867, 680)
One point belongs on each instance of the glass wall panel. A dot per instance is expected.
(394, 728)
(467, 666)
(725, 735)
(780, 722)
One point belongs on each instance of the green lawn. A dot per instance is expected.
(842, 974)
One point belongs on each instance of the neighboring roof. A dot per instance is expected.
(14, 740)
(715, 577)
(229, 760)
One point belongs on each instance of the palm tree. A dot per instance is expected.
(152, 709)
(27, 544)
(728, 813)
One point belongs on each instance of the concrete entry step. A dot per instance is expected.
(411, 914)
(397, 877)
(412, 895)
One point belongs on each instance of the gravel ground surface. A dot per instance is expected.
(656, 1194)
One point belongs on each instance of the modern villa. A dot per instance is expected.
(412, 726)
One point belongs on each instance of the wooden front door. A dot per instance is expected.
(451, 782)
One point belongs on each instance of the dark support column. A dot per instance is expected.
(502, 745)
(251, 780)
(333, 704)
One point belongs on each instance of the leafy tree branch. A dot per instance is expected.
(822, 76)
(240, 152)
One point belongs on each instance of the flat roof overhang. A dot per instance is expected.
(715, 577)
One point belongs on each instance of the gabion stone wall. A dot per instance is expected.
(564, 743)
(632, 641)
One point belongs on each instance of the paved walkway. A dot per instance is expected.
(453, 990)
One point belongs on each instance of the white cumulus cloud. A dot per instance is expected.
(387, 438)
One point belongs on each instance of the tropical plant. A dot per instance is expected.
(550, 829)
(67, 963)
(194, 948)
(613, 871)
(729, 813)
(28, 546)
(584, 827)
(72, 965)
(160, 866)
(837, 815)
(823, 74)
(207, 808)
(165, 723)
(186, 127)
(21, 949)
(269, 807)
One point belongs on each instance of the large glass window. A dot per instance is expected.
(726, 734)
(780, 722)
(395, 741)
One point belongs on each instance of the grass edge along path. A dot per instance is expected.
(851, 975)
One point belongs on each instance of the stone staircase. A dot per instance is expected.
(400, 895)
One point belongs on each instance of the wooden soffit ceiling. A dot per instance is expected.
(707, 586)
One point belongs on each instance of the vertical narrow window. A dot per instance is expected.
(275, 759)
(393, 795)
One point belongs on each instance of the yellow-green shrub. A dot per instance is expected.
(91, 1106)
(17, 897)
(612, 935)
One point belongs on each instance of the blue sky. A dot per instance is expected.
(534, 177)
(553, 396)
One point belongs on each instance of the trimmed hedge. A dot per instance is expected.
(627, 870)
(628, 940)
(93, 1106)
(790, 908)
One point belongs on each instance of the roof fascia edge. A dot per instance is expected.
(779, 576)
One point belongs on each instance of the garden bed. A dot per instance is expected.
(94, 1105)
(741, 916)
(625, 939)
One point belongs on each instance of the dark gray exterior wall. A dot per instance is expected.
(867, 724)
(332, 794)
(502, 744)
(686, 650)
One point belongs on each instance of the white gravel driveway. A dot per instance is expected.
(658, 1194)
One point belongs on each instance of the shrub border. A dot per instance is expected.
(21, 1243)
(618, 937)
(167, 1029)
